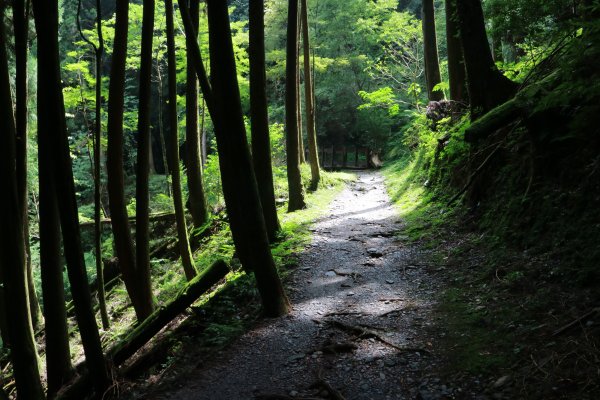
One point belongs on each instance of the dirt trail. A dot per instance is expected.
(355, 271)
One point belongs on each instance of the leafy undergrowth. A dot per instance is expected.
(511, 221)
(517, 248)
(504, 309)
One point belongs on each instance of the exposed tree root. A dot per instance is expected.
(364, 333)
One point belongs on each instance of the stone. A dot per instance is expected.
(501, 381)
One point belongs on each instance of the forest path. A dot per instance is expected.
(357, 272)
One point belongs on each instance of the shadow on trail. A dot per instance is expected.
(352, 272)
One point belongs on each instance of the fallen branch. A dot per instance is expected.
(385, 314)
(364, 333)
(161, 317)
(120, 352)
(331, 314)
(474, 175)
(132, 219)
(577, 321)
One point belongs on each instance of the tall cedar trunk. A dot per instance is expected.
(487, 86)
(197, 200)
(301, 156)
(239, 182)
(21, 27)
(195, 55)
(203, 139)
(296, 196)
(161, 132)
(142, 207)
(311, 133)
(259, 118)
(173, 148)
(456, 65)
(98, 173)
(58, 355)
(12, 250)
(432, 65)
(51, 99)
(114, 165)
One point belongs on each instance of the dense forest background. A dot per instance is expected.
(395, 80)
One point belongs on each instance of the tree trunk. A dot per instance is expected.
(301, 156)
(456, 64)
(97, 171)
(50, 101)
(153, 324)
(239, 182)
(182, 234)
(195, 55)
(432, 65)
(142, 304)
(259, 119)
(197, 200)
(161, 132)
(313, 153)
(296, 196)
(12, 250)
(58, 355)
(142, 197)
(203, 138)
(126, 348)
(21, 27)
(487, 86)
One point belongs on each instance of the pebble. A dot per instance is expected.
(501, 381)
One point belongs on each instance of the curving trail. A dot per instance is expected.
(357, 272)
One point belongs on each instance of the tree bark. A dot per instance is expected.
(96, 168)
(259, 119)
(456, 64)
(487, 86)
(21, 27)
(126, 348)
(432, 65)
(197, 200)
(239, 182)
(50, 101)
(114, 162)
(142, 197)
(301, 156)
(12, 249)
(153, 324)
(196, 56)
(311, 133)
(58, 355)
(182, 234)
(296, 195)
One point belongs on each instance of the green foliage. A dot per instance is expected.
(212, 182)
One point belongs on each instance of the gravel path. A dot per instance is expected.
(357, 272)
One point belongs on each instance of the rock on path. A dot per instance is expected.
(354, 271)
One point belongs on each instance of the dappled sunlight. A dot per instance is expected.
(353, 285)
